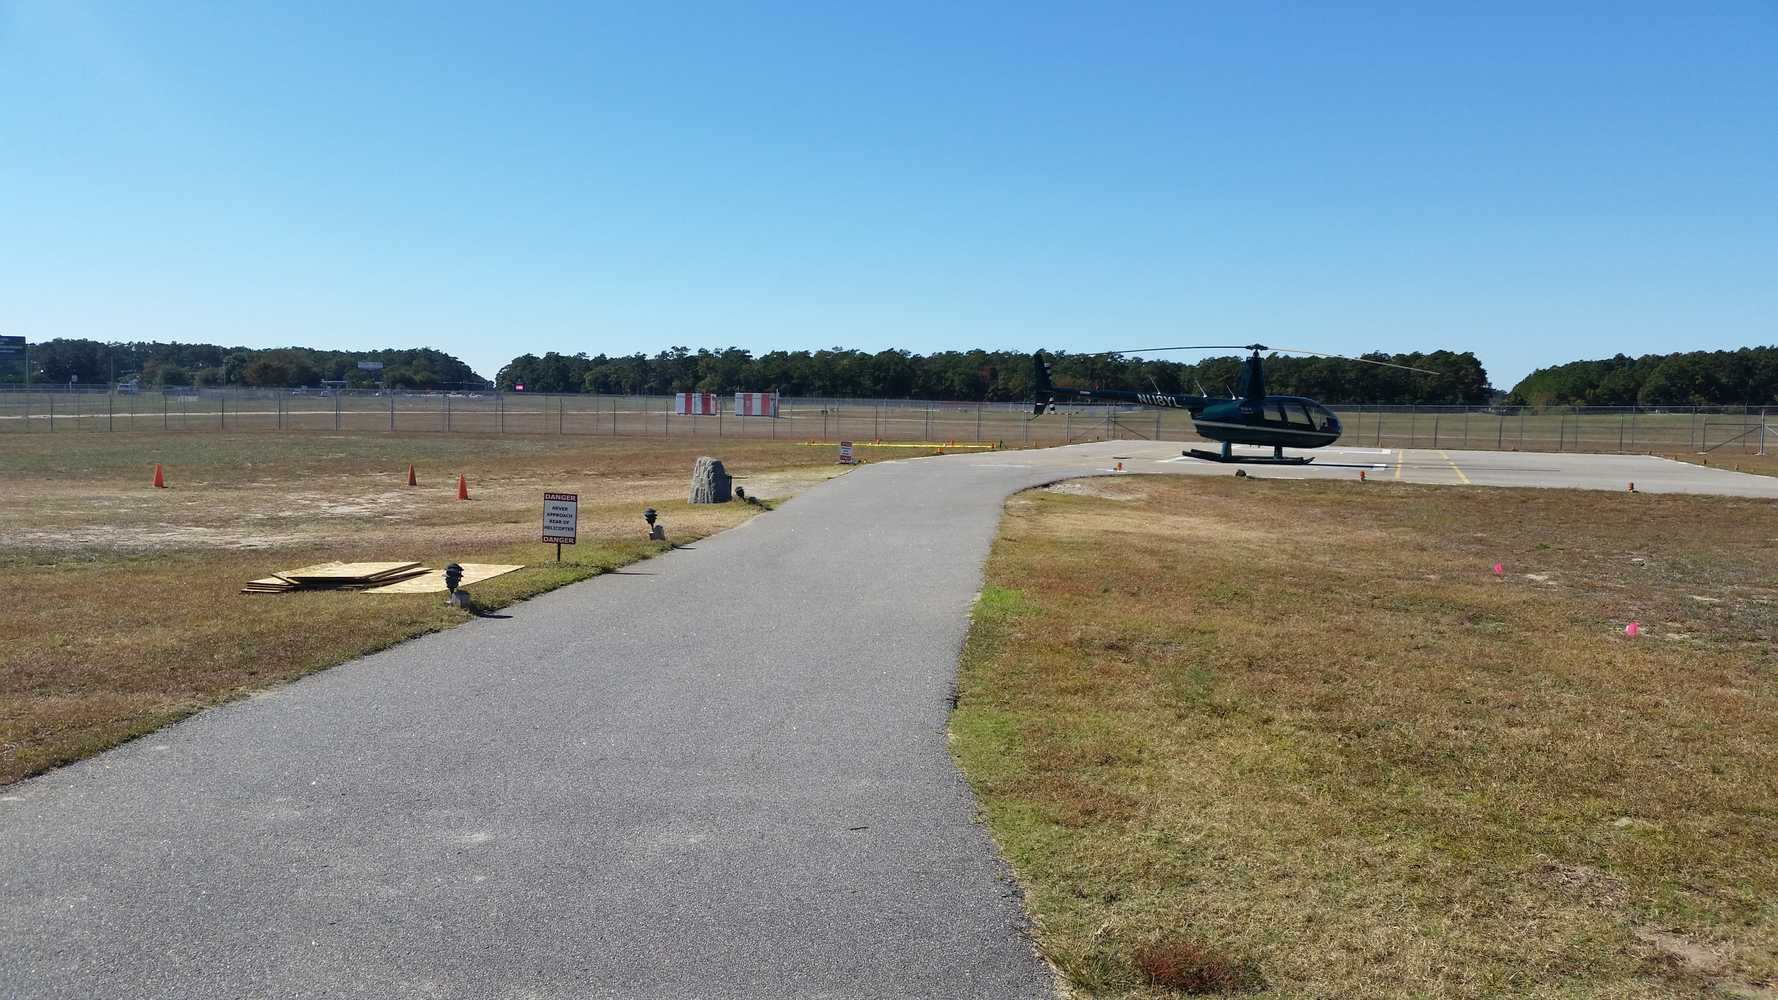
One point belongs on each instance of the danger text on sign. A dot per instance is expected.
(560, 512)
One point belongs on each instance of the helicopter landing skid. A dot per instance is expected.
(1211, 456)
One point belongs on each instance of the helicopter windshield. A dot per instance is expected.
(1305, 413)
(1293, 411)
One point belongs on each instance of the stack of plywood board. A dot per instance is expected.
(432, 580)
(335, 576)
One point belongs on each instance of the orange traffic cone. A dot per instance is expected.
(462, 488)
(1120, 466)
(160, 481)
(410, 475)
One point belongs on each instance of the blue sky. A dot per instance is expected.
(1535, 182)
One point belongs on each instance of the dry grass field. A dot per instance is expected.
(1294, 739)
(123, 608)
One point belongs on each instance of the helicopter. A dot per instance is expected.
(1249, 416)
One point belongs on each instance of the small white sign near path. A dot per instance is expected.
(561, 512)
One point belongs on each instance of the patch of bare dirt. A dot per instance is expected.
(1706, 963)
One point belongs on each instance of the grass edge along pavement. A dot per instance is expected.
(408, 617)
(1328, 753)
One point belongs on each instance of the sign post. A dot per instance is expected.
(845, 453)
(560, 512)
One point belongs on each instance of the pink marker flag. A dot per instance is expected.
(1633, 630)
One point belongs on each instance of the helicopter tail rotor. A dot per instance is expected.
(1041, 389)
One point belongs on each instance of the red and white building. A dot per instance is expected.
(695, 404)
(756, 404)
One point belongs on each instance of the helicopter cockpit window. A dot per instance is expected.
(1296, 413)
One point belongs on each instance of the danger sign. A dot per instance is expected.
(560, 512)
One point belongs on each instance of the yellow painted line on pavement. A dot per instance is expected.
(1401, 455)
(1454, 467)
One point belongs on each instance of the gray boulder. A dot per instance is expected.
(710, 482)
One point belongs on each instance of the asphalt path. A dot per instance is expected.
(720, 773)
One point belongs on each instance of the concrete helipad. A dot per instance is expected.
(1420, 465)
(721, 773)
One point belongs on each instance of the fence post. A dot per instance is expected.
(109, 408)
(52, 410)
(1521, 446)
(336, 411)
(1620, 433)
(928, 420)
(163, 409)
(1562, 432)
(1068, 427)
(1633, 409)
(1413, 432)
(391, 411)
(222, 410)
(978, 421)
(1435, 428)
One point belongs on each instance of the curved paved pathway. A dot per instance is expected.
(720, 774)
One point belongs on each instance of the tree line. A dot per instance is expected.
(57, 362)
(1701, 378)
(1748, 375)
(987, 375)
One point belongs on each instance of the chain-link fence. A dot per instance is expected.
(1665, 429)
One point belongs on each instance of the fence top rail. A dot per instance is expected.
(664, 401)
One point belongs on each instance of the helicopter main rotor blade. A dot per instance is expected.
(1157, 350)
(1258, 347)
(1362, 361)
